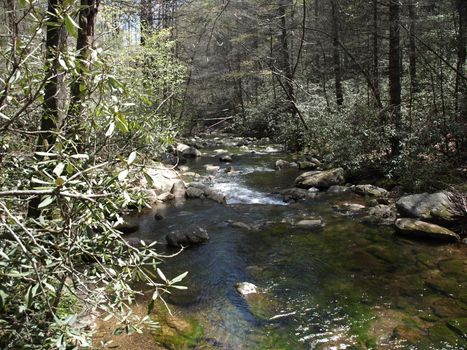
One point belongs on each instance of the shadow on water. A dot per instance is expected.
(344, 286)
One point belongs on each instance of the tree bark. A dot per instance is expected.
(336, 53)
(55, 39)
(395, 74)
(412, 46)
(84, 42)
(461, 85)
(375, 51)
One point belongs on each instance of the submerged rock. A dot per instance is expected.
(320, 179)
(310, 223)
(246, 288)
(426, 206)
(177, 239)
(370, 190)
(417, 228)
(226, 158)
(242, 225)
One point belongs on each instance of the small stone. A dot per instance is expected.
(310, 223)
(226, 158)
(246, 288)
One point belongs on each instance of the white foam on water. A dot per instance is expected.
(238, 194)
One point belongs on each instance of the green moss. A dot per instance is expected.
(178, 334)
(440, 334)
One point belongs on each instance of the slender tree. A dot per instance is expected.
(336, 53)
(395, 74)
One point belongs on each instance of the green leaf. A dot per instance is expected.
(46, 201)
(148, 178)
(131, 157)
(110, 130)
(59, 169)
(161, 275)
(71, 26)
(122, 123)
(179, 278)
(59, 181)
(122, 175)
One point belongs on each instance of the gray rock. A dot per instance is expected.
(381, 214)
(435, 207)
(178, 189)
(212, 168)
(310, 223)
(313, 190)
(283, 164)
(320, 179)
(165, 197)
(188, 151)
(194, 192)
(313, 160)
(246, 288)
(295, 194)
(306, 165)
(177, 239)
(241, 225)
(226, 158)
(370, 190)
(421, 229)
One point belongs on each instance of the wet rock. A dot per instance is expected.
(349, 208)
(194, 192)
(310, 223)
(128, 227)
(283, 164)
(421, 229)
(435, 207)
(158, 217)
(306, 165)
(188, 151)
(165, 197)
(178, 189)
(296, 194)
(229, 169)
(241, 225)
(459, 326)
(320, 179)
(313, 190)
(370, 190)
(226, 158)
(381, 214)
(246, 288)
(338, 189)
(212, 168)
(177, 239)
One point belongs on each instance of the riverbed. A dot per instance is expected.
(345, 285)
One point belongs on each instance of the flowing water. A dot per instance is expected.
(347, 285)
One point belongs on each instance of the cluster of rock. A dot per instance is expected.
(423, 215)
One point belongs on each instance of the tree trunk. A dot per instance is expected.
(336, 53)
(286, 69)
(412, 47)
(395, 74)
(146, 19)
(375, 51)
(55, 39)
(84, 43)
(461, 85)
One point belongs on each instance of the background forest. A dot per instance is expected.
(91, 92)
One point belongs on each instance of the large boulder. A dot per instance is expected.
(436, 207)
(320, 179)
(370, 190)
(381, 214)
(188, 151)
(417, 228)
(177, 239)
(197, 190)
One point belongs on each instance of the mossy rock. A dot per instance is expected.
(448, 308)
(453, 268)
(459, 326)
(441, 334)
(177, 333)
(447, 286)
(410, 334)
